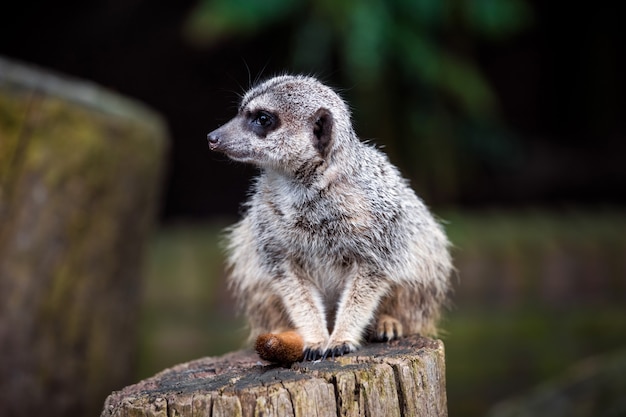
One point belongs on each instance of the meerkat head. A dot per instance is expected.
(287, 123)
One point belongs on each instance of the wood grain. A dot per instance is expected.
(402, 378)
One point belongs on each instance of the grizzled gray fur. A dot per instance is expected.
(334, 243)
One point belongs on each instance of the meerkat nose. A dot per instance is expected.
(213, 139)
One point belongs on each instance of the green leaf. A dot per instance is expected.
(215, 19)
(365, 40)
(463, 80)
(497, 18)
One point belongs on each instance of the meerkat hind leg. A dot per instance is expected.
(387, 328)
(411, 308)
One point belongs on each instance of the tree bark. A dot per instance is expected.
(79, 175)
(401, 378)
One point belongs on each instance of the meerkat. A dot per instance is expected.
(333, 244)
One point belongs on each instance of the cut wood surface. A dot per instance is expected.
(402, 378)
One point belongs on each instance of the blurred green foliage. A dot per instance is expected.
(410, 65)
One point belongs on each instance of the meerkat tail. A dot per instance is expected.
(285, 348)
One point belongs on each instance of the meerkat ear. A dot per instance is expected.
(322, 129)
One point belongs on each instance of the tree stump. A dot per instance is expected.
(402, 378)
(80, 170)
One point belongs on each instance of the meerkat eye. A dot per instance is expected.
(262, 122)
(263, 119)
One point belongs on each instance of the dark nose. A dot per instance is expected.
(213, 139)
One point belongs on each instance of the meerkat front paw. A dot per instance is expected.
(313, 351)
(340, 349)
(331, 350)
(388, 328)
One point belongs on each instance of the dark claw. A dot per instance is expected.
(337, 351)
(312, 354)
(315, 354)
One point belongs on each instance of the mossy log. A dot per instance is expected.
(402, 378)
(80, 171)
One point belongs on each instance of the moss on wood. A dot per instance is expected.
(78, 193)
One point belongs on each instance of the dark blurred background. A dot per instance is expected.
(508, 116)
(481, 103)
